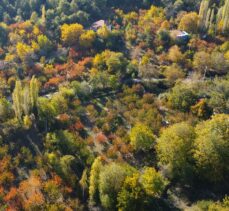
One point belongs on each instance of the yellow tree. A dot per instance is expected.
(175, 55)
(94, 180)
(24, 51)
(87, 38)
(141, 137)
(70, 33)
(189, 22)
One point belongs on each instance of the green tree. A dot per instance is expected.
(141, 190)
(45, 44)
(181, 97)
(174, 148)
(111, 180)
(5, 109)
(212, 148)
(219, 94)
(132, 195)
(46, 112)
(152, 181)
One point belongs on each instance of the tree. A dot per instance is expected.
(141, 190)
(66, 171)
(219, 64)
(5, 109)
(111, 180)
(17, 100)
(141, 137)
(25, 98)
(46, 112)
(204, 6)
(83, 181)
(152, 181)
(30, 192)
(202, 109)
(219, 94)
(45, 45)
(87, 38)
(94, 181)
(71, 33)
(182, 97)
(24, 52)
(173, 73)
(202, 62)
(132, 195)
(3, 34)
(211, 148)
(33, 90)
(175, 55)
(174, 148)
(189, 22)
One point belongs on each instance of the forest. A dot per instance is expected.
(114, 105)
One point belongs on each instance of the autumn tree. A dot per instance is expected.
(173, 73)
(202, 109)
(24, 52)
(30, 191)
(189, 22)
(175, 54)
(202, 62)
(71, 33)
(87, 38)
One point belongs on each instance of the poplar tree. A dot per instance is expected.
(94, 180)
(203, 13)
(17, 100)
(225, 16)
(83, 181)
(33, 90)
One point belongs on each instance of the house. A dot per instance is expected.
(99, 24)
(179, 35)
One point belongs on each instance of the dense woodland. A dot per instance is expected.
(131, 116)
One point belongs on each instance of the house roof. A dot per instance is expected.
(178, 33)
(98, 24)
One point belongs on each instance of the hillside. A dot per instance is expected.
(114, 105)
